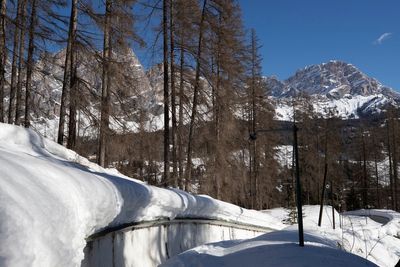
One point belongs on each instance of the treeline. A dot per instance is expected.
(355, 160)
(213, 98)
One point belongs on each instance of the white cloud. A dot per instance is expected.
(382, 38)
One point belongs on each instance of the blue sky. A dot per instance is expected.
(297, 33)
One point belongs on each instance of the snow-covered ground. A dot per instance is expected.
(51, 199)
(272, 249)
(355, 235)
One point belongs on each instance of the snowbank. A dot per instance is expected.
(354, 232)
(368, 241)
(272, 249)
(391, 219)
(51, 199)
(310, 216)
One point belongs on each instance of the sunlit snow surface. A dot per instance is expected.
(371, 241)
(272, 249)
(51, 199)
(345, 108)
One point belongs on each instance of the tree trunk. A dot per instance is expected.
(188, 171)
(180, 129)
(3, 55)
(21, 55)
(390, 165)
(395, 171)
(105, 109)
(364, 183)
(73, 77)
(253, 113)
(216, 113)
(376, 173)
(31, 50)
(71, 142)
(14, 62)
(166, 94)
(67, 78)
(173, 96)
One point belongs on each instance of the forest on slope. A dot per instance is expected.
(204, 99)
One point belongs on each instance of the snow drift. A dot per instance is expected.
(370, 241)
(51, 199)
(272, 249)
(355, 232)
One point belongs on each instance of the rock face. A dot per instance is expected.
(130, 92)
(137, 98)
(333, 79)
(330, 85)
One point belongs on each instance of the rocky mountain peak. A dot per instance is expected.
(333, 85)
(334, 79)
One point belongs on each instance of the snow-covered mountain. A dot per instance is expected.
(131, 92)
(333, 85)
(137, 97)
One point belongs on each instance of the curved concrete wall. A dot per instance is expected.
(149, 244)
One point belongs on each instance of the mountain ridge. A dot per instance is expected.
(335, 78)
(333, 85)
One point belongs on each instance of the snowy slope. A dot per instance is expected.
(356, 241)
(391, 220)
(272, 249)
(137, 97)
(132, 93)
(51, 199)
(355, 234)
(349, 107)
(331, 86)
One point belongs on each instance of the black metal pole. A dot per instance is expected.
(321, 205)
(253, 136)
(298, 188)
(333, 206)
